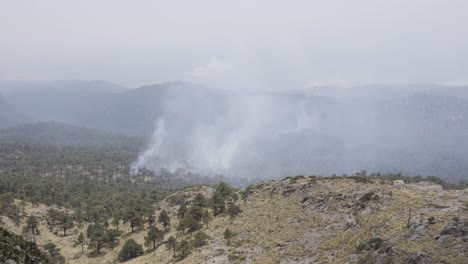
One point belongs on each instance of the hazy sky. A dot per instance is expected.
(244, 43)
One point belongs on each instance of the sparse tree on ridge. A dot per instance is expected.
(171, 244)
(164, 219)
(80, 241)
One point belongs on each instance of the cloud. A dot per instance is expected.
(212, 68)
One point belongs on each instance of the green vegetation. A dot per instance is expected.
(93, 198)
(54, 253)
(183, 249)
(131, 249)
(413, 179)
(164, 219)
(200, 239)
(228, 234)
(154, 237)
(223, 195)
(15, 248)
(60, 219)
(80, 241)
(171, 243)
(233, 210)
(97, 237)
(236, 256)
(373, 244)
(32, 226)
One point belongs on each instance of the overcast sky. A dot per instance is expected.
(247, 43)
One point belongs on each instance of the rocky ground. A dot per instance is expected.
(309, 220)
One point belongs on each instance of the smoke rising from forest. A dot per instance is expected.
(263, 135)
(221, 135)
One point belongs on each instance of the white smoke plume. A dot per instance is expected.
(260, 135)
(218, 132)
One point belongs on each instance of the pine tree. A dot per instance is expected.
(164, 219)
(32, 225)
(199, 201)
(182, 211)
(153, 236)
(97, 236)
(80, 241)
(171, 244)
(184, 249)
(233, 210)
(206, 218)
(133, 217)
(228, 234)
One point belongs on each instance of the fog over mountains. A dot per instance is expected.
(414, 129)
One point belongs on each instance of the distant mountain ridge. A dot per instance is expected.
(9, 116)
(64, 100)
(385, 92)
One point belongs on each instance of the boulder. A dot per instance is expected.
(398, 182)
(442, 240)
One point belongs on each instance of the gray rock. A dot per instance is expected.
(398, 182)
(456, 228)
(442, 240)
(458, 246)
(418, 257)
(421, 230)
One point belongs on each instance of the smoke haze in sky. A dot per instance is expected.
(236, 44)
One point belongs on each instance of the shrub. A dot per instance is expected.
(200, 239)
(372, 244)
(233, 210)
(184, 249)
(130, 250)
(366, 197)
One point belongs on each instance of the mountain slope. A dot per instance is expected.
(308, 220)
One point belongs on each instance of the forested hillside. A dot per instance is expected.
(60, 134)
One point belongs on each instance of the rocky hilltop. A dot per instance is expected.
(304, 220)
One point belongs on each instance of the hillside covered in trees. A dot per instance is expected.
(298, 219)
